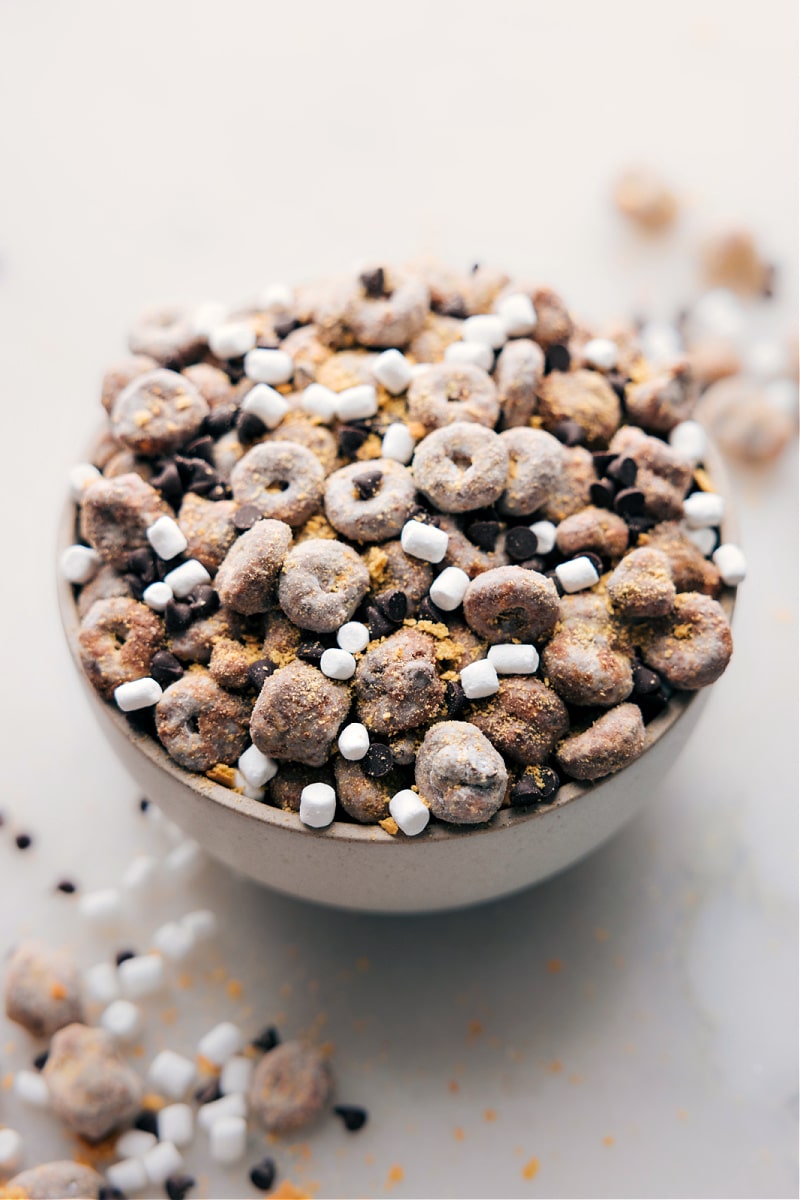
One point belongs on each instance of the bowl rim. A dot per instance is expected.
(269, 816)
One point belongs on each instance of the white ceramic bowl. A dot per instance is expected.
(361, 866)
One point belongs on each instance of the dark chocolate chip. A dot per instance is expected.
(262, 1175)
(220, 421)
(637, 525)
(144, 804)
(40, 1060)
(379, 625)
(311, 652)
(645, 681)
(454, 698)
(454, 307)
(249, 428)
(178, 1186)
(373, 282)
(602, 494)
(123, 955)
(283, 326)
(629, 502)
(23, 841)
(428, 611)
(143, 564)
(168, 482)
(209, 1092)
(483, 534)
(624, 471)
(521, 543)
(234, 368)
(593, 558)
(617, 381)
(136, 586)
(537, 563)
(177, 616)
(143, 720)
(653, 704)
(602, 460)
(538, 787)
(378, 761)
(351, 439)
(258, 671)
(267, 1040)
(204, 479)
(67, 887)
(165, 668)
(353, 1118)
(107, 1191)
(245, 517)
(147, 1121)
(202, 447)
(557, 358)
(556, 582)
(393, 605)
(368, 484)
(570, 433)
(203, 601)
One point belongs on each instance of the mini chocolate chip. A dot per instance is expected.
(428, 611)
(23, 840)
(311, 652)
(537, 787)
(373, 282)
(454, 698)
(536, 563)
(393, 605)
(147, 1121)
(143, 564)
(249, 428)
(652, 704)
(521, 543)
(177, 616)
(378, 761)
(262, 1175)
(234, 368)
(637, 525)
(258, 671)
(204, 478)
(209, 1092)
(353, 1118)
(476, 266)
(617, 382)
(593, 558)
(454, 307)
(267, 1040)
(245, 517)
(557, 358)
(768, 288)
(67, 887)
(143, 720)
(283, 326)
(556, 582)
(379, 625)
(178, 1186)
(602, 460)
(624, 471)
(351, 439)
(123, 955)
(144, 804)
(602, 494)
(569, 432)
(41, 1059)
(645, 681)
(220, 421)
(368, 484)
(136, 586)
(629, 502)
(203, 601)
(202, 447)
(165, 668)
(483, 534)
(108, 1192)
(168, 482)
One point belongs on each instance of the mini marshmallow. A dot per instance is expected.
(81, 476)
(508, 658)
(353, 741)
(704, 539)
(171, 1074)
(163, 1160)
(236, 1075)
(12, 1150)
(167, 538)
(337, 664)
(398, 443)
(517, 314)
(409, 812)
(689, 441)
(123, 1021)
(268, 366)
(232, 339)
(173, 940)
(31, 1088)
(184, 861)
(221, 1042)
(277, 297)
(731, 564)
(317, 805)
(781, 394)
(487, 328)
(139, 693)
(319, 401)
(142, 975)
(420, 368)
(79, 564)
(601, 353)
(357, 403)
(577, 574)
(703, 509)
(128, 1176)
(134, 1143)
(201, 923)
(102, 907)
(207, 317)
(266, 404)
(448, 589)
(257, 768)
(353, 636)
(157, 595)
(176, 1124)
(247, 789)
(233, 1105)
(545, 536)
(393, 370)
(424, 541)
(140, 873)
(477, 353)
(479, 679)
(228, 1139)
(187, 577)
(101, 983)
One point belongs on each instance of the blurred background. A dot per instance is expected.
(630, 1028)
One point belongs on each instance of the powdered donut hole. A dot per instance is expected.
(462, 466)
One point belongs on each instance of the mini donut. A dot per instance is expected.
(116, 514)
(511, 603)
(166, 334)
(246, 578)
(524, 719)
(370, 501)
(157, 412)
(519, 370)
(448, 392)
(322, 584)
(118, 638)
(584, 661)
(693, 646)
(397, 684)
(536, 463)
(613, 741)
(298, 714)
(282, 480)
(594, 529)
(291, 1088)
(461, 467)
(391, 316)
(199, 724)
(459, 773)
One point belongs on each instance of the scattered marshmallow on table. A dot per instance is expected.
(577, 574)
(134, 1143)
(704, 539)
(411, 815)
(517, 314)
(184, 860)
(601, 353)
(80, 477)
(545, 536)
(257, 768)
(128, 1176)
(142, 975)
(479, 679)
(424, 541)
(172, 1074)
(157, 595)
(232, 339)
(228, 1139)
(79, 564)
(173, 940)
(101, 983)
(163, 1160)
(337, 664)
(140, 873)
(187, 577)
(357, 403)
(176, 1124)
(268, 366)
(102, 907)
(220, 1043)
(448, 589)
(478, 353)
(319, 401)
(398, 443)
(167, 538)
(201, 923)
(353, 636)
(689, 441)
(12, 1149)
(508, 658)
(31, 1088)
(122, 1020)
(139, 693)
(233, 1105)
(731, 563)
(317, 805)
(353, 741)
(487, 328)
(393, 370)
(236, 1075)
(703, 509)
(266, 404)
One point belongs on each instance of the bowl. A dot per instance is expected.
(362, 867)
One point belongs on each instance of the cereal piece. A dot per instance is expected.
(613, 741)
(643, 197)
(583, 397)
(369, 502)
(524, 720)
(212, 384)
(536, 463)
(42, 991)
(439, 332)
(571, 494)
(208, 526)
(322, 584)
(246, 579)
(116, 514)
(92, 1090)
(661, 402)
(196, 643)
(732, 260)
(120, 374)
(519, 370)
(298, 714)
(199, 724)
(291, 1088)
(692, 647)
(584, 662)
(157, 412)
(308, 352)
(448, 392)
(553, 323)
(594, 529)
(691, 572)
(401, 573)
(389, 315)
(118, 638)
(461, 466)
(397, 684)
(230, 663)
(227, 452)
(510, 603)
(464, 554)
(167, 334)
(740, 417)
(106, 584)
(56, 1181)
(287, 787)
(641, 585)
(460, 774)
(661, 475)
(299, 429)
(281, 479)
(363, 797)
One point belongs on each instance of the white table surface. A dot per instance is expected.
(632, 1025)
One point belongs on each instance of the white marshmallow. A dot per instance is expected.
(173, 940)
(157, 595)
(409, 812)
(689, 441)
(266, 404)
(162, 1161)
(207, 317)
(142, 975)
(228, 1139)
(257, 768)
(139, 693)
(487, 328)
(31, 1088)
(420, 368)
(247, 789)
(781, 394)
(277, 297)
(702, 509)
(424, 541)
(357, 403)
(268, 366)
(577, 574)
(479, 679)
(167, 538)
(448, 589)
(232, 339)
(319, 401)
(317, 805)
(236, 1075)
(134, 1143)
(353, 636)
(545, 536)
(184, 861)
(176, 1124)
(101, 983)
(102, 907)
(12, 1149)
(337, 664)
(187, 577)
(353, 741)
(704, 539)
(221, 1042)
(141, 873)
(398, 443)
(79, 564)
(123, 1021)
(601, 353)
(507, 658)
(201, 923)
(171, 1074)
(731, 564)
(233, 1105)
(517, 314)
(393, 370)
(128, 1176)
(81, 476)
(477, 353)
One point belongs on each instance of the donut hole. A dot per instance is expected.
(276, 486)
(461, 460)
(193, 725)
